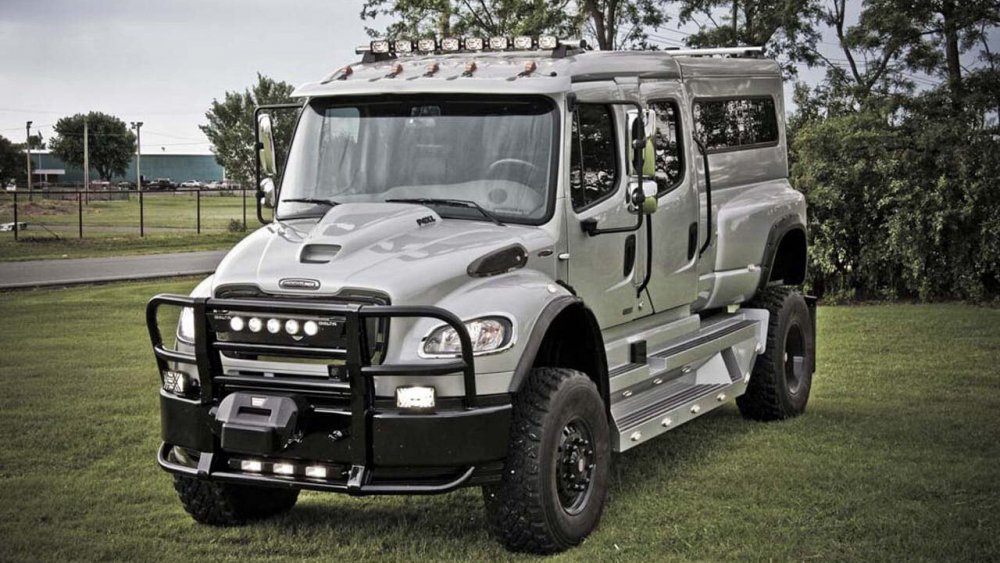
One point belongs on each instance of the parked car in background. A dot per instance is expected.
(215, 185)
(162, 184)
(126, 186)
(192, 184)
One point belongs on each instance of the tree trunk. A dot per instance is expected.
(952, 53)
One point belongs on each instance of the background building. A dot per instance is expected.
(177, 167)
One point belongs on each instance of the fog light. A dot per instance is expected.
(523, 43)
(292, 326)
(316, 472)
(273, 326)
(255, 324)
(311, 328)
(415, 397)
(283, 468)
(251, 465)
(236, 324)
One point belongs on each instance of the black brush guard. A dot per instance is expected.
(207, 357)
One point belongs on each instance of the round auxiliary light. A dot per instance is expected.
(380, 46)
(255, 324)
(523, 43)
(311, 328)
(499, 43)
(427, 45)
(236, 324)
(450, 44)
(474, 43)
(548, 42)
(292, 326)
(402, 46)
(273, 326)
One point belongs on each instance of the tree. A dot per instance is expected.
(230, 127)
(786, 28)
(12, 162)
(611, 23)
(111, 144)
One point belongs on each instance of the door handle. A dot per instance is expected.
(629, 256)
(692, 239)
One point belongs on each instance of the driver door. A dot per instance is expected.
(605, 269)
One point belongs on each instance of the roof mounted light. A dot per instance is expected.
(499, 43)
(474, 43)
(523, 42)
(450, 44)
(402, 46)
(428, 45)
(548, 42)
(380, 46)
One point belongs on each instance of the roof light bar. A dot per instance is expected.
(474, 44)
(402, 46)
(523, 43)
(499, 43)
(380, 46)
(450, 44)
(548, 42)
(427, 45)
(387, 47)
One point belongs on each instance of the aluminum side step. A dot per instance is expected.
(687, 378)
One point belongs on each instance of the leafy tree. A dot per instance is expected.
(111, 143)
(612, 23)
(786, 28)
(231, 126)
(12, 162)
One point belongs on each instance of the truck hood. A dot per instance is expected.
(405, 251)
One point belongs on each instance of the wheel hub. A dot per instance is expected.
(575, 465)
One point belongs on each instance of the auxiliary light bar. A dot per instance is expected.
(468, 44)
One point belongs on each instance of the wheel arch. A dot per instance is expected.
(786, 253)
(566, 335)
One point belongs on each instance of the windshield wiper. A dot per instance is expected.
(328, 202)
(452, 202)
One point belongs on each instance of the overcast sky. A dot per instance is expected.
(163, 61)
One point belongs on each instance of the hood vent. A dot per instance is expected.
(318, 253)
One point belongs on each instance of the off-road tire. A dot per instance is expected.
(776, 390)
(225, 504)
(525, 509)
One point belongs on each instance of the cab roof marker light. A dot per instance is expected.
(474, 44)
(523, 43)
(450, 44)
(427, 45)
(470, 67)
(397, 69)
(432, 69)
(343, 73)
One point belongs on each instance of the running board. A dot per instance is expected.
(689, 377)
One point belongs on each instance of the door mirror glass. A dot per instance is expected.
(268, 193)
(265, 152)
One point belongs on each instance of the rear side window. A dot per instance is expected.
(594, 156)
(667, 147)
(736, 123)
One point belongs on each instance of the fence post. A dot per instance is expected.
(142, 214)
(198, 191)
(79, 206)
(16, 226)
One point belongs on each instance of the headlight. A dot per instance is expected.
(185, 325)
(488, 334)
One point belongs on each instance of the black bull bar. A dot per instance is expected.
(357, 367)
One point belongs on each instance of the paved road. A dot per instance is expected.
(39, 273)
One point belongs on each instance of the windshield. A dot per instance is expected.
(494, 152)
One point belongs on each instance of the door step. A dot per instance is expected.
(687, 378)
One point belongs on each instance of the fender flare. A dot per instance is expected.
(541, 329)
(777, 233)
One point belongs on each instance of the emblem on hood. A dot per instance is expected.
(298, 283)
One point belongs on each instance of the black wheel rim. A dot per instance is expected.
(575, 466)
(795, 358)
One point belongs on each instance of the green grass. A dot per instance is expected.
(31, 248)
(897, 457)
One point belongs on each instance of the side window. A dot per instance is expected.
(594, 156)
(736, 123)
(667, 147)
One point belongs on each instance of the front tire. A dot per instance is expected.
(782, 377)
(555, 478)
(226, 504)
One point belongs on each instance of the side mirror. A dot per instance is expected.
(265, 133)
(268, 193)
(643, 198)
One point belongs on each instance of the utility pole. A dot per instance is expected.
(27, 152)
(86, 161)
(137, 125)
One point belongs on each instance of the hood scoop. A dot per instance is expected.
(318, 253)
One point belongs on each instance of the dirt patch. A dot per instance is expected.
(43, 207)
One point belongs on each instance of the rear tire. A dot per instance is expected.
(225, 504)
(555, 479)
(782, 377)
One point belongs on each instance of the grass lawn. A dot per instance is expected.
(897, 457)
(109, 244)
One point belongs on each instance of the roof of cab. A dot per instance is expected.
(507, 72)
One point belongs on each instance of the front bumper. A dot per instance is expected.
(365, 446)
